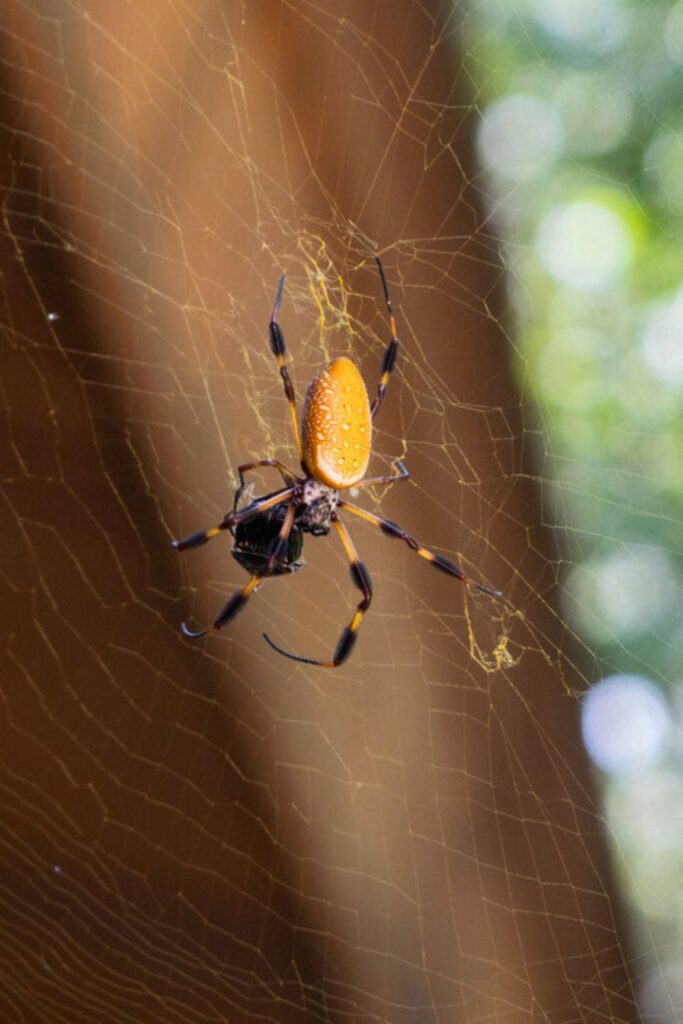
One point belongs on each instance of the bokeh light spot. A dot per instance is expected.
(660, 994)
(662, 340)
(584, 244)
(520, 136)
(626, 725)
(625, 594)
(596, 23)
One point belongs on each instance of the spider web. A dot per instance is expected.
(204, 832)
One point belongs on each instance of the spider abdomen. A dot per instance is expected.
(337, 426)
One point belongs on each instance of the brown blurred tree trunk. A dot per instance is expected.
(212, 833)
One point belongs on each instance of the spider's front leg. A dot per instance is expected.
(279, 350)
(391, 351)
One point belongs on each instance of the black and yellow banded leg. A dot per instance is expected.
(234, 605)
(195, 540)
(285, 472)
(281, 540)
(391, 351)
(382, 481)
(288, 477)
(361, 579)
(279, 350)
(438, 561)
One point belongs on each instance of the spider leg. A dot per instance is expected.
(391, 351)
(438, 561)
(279, 350)
(282, 538)
(361, 579)
(234, 605)
(195, 540)
(285, 472)
(381, 481)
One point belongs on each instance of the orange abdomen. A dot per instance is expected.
(336, 425)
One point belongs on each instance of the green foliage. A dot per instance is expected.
(586, 173)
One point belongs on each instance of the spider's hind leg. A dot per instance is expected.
(238, 600)
(228, 612)
(361, 579)
(391, 529)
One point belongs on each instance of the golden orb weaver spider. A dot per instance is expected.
(334, 447)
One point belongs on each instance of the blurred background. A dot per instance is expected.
(580, 143)
(479, 816)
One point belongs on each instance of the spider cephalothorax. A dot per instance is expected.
(334, 445)
(318, 503)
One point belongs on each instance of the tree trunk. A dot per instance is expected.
(204, 832)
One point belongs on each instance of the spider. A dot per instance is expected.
(334, 446)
